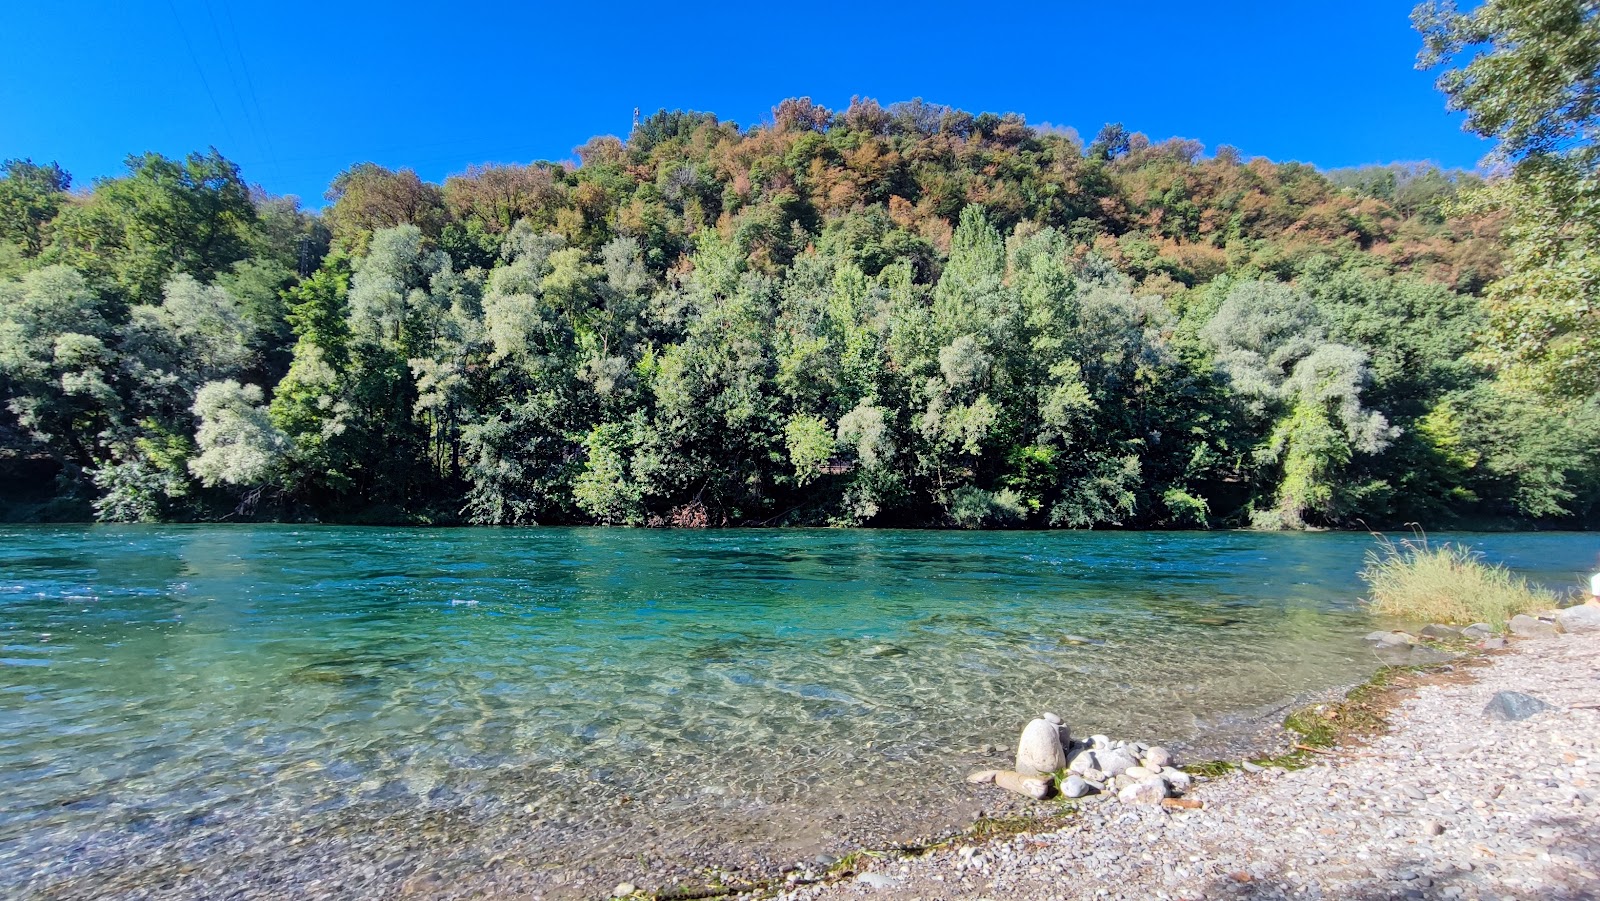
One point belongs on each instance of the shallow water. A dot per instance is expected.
(329, 711)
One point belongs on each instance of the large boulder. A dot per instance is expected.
(1040, 750)
(1531, 627)
(1582, 618)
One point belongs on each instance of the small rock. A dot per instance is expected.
(1075, 787)
(1148, 792)
(1437, 631)
(623, 890)
(1249, 767)
(982, 777)
(1432, 827)
(1582, 618)
(1531, 627)
(879, 880)
(1492, 644)
(1099, 742)
(1177, 781)
(1040, 751)
(1390, 638)
(1036, 787)
(1082, 762)
(1158, 756)
(1478, 630)
(1513, 705)
(1051, 718)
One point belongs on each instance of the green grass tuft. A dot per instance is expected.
(1414, 581)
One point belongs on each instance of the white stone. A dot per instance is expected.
(1115, 763)
(1149, 792)
(1040, 751)
(1075, 787)
(1177, 780)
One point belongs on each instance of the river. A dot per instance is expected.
(310, 711)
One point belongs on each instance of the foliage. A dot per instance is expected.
(885, 315)
(1418, 582)
(1527, 72)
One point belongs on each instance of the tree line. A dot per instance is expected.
(883, 315)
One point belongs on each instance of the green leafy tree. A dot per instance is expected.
(191, 217)
(1527, 73)
(30, 197)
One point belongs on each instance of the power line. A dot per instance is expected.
(233, 80)
(221, 119)
(249, 83)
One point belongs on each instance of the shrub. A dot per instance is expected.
(1446, 584)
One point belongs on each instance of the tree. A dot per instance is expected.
(1531, 75)
(1271, 345)
(57, 373)
(497, 197)
(238, 444)
(30, 196)
(1527, 72)
(192, 217)
(367, 198)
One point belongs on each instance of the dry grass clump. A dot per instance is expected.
(1446, 584)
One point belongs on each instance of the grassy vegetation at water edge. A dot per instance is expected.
(1446, 584)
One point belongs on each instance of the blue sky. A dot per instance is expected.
(295, 91)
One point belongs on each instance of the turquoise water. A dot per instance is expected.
(330, 711)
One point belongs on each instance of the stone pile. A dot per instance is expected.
(1133, 772)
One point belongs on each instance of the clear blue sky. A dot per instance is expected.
(294, 91)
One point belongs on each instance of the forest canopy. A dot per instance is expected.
(880, 315)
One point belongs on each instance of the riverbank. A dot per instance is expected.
(1449, 803)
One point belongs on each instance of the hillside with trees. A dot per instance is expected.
(881, 315)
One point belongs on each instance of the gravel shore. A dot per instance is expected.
(1450, 803)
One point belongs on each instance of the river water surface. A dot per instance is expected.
(299, 712)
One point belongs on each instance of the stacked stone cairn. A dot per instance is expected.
(1133, 772)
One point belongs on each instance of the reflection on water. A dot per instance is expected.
(333, 710)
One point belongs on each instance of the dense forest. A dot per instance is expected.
(881, 315)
